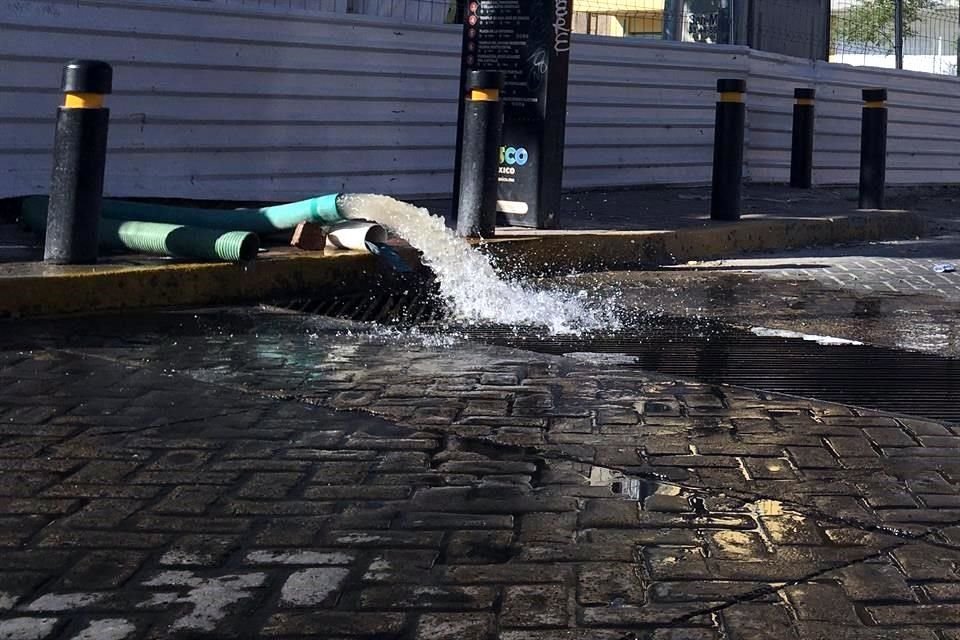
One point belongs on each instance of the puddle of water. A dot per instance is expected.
(469, 284)
(764, 332)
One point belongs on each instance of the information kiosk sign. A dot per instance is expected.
(529, 41)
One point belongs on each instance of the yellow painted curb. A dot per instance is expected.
(50, 290)
(35, 289)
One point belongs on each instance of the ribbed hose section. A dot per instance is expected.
(164, 239)
(179, 241)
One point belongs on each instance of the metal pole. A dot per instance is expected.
(873, 148)
(79, 157)
(673, 20)
(728, 150)
(898, 31)
(727, 16)
(479, 157)
(801, 152)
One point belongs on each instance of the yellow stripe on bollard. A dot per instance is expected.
(83, 101)
(484, 95)
(874, 104)
(805, 102)
(731, 96)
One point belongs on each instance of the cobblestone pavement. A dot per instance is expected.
(184, 475)
(905, 267)
(745, 294)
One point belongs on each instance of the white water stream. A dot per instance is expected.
(470, 285)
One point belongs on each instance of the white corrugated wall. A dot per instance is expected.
(239, 103)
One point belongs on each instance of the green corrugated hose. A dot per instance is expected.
(179, 240)
(322, 209)
(164, 239)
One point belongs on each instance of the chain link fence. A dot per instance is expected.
(865, 32)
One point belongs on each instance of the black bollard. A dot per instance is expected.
(873, 148)
(79, 155)
(479, 159)
(801, 152)
(728, 150)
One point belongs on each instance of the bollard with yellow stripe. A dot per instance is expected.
(728, 149)
(476, 193)
(873, 149)
(79, 157)
(801, 149)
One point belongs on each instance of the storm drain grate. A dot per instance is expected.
(911, 383)
(408, 308)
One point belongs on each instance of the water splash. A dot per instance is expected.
(473, 290)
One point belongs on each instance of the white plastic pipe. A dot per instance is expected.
(354, 234)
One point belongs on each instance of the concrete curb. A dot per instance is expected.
(60, 290)
(569, 251)
(35, 289)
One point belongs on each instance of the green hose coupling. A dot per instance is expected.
(319, 210)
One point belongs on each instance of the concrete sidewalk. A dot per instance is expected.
(602, 230)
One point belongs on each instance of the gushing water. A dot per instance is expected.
(469, 284)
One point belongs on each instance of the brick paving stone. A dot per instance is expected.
(536, 606)
(926, 562)
(102, 569)
(23, 628)
(264, 486)
(758, 621)
(610, 583)
(334, 623)
(706, 591)
(460, 626)
(479, 547)
(878, 580)
(200, 550)
(650, 615)
(820, 601)
(509, 573)
(947, 592)
(833, 631)
(401, 566)
(312, 587)
(915, 614)
(410, 597)
(548, 527)
(439, 520)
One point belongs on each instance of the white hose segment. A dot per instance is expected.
(354, 234)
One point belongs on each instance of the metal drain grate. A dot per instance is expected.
(911, 383)
(418, 306)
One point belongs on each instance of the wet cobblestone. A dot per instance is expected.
(260, 495)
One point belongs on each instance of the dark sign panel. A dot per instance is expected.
(529, 41)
